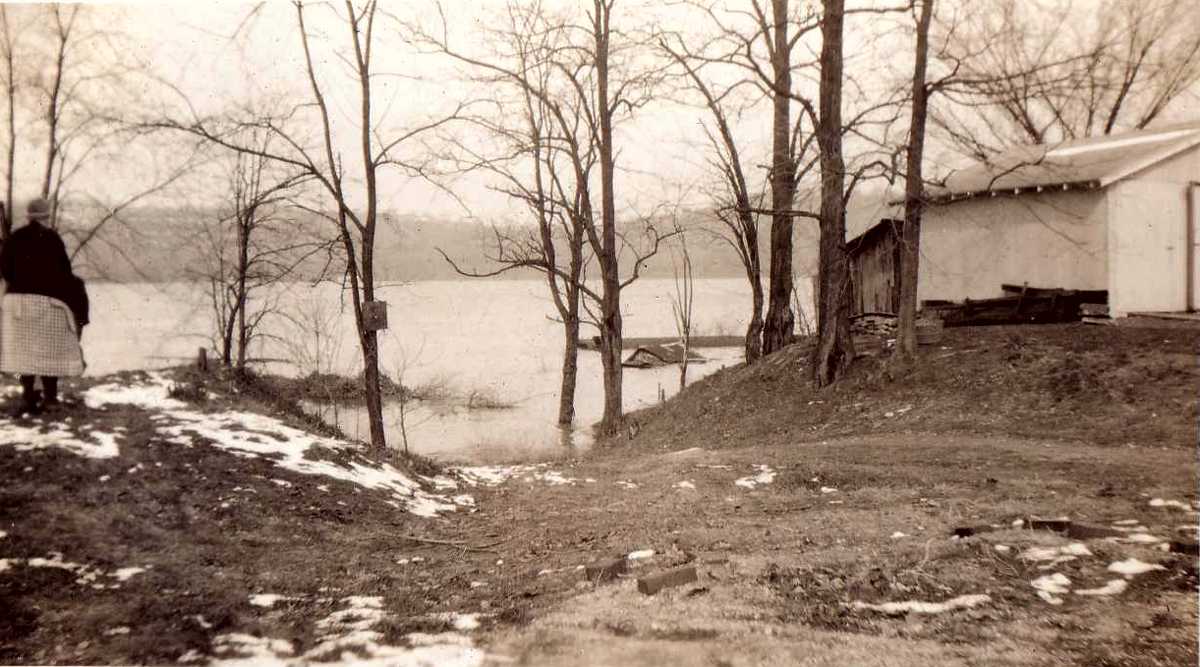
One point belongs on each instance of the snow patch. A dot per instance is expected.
(441, 482)
(1056, 555)
(487, 475)
(685, 484)
(125, 573)
(496, 475)
(1113, 587)
(92, 445)
(1133, 566)
(1139, 538)
(765, 475)
(461, 622)
(1050, 586)
(918, 607)
(346, 636)
(250, 650)
(638, 555)
(1177, 504)
(267, 599)
(898, 535)
(85, 575)
(553, 478)
(152, 394)
(259, 436)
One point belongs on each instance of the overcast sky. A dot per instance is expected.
(191, 45)
(229, 54)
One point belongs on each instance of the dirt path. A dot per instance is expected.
(867, 520)
(140, 530)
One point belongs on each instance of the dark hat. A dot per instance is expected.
(38, 209)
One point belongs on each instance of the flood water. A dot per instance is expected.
(473, 342)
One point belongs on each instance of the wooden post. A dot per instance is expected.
(202, 360)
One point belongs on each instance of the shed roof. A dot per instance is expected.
(1089, 163)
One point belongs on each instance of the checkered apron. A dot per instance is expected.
(37, 337)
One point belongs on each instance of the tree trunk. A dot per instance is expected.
(835, 348)
(570, 371)
(754, 335)
(6, 221)
(245, 224)
(910, 237)
(610, 302)
(52, 110)
(227, 338)
(777, 330)
(370, 350)
(243, 334)
(610, 359)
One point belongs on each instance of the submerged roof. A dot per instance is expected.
(1090, 163)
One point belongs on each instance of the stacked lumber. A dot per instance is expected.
(1094, 313)
(1020, 305)
(874, 324)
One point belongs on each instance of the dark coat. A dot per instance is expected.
(35, 261)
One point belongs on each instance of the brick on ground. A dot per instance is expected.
(651, 584)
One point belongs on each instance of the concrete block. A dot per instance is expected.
(1185, 547)
(1055, 525)
(1087, 531)
(654, 583)
(968, 531)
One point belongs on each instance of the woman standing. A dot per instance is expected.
(40, 333)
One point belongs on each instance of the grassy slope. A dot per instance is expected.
(1103, 385)
(1005, 423)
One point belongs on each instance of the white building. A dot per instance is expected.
(1119, 213)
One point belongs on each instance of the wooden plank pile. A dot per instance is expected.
(1019, 305)
(1094, 313)
(874, 324)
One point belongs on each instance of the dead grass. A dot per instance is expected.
(780, 564)
(1107, 385)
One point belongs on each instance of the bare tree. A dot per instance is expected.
(544, 163)
(1038, 73)
(69, 77)
(595, 81)
(8, 55)
(737, 208)
(762, 40)
(762, 51)
(682, 305)
(835, 348)
(355, 210)
(253, 245)
(914, 185)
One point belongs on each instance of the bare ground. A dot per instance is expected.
(1004, 424)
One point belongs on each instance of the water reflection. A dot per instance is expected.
(448, 431)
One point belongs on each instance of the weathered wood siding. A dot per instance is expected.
(875, 270)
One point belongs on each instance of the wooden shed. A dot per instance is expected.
(1117, 214)
(875, 269)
